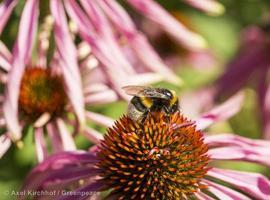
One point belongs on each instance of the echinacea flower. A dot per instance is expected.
(166, 157)
(48, 95)
(250, 68)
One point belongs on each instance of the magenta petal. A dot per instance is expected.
(202, 196)
(40, 143)
(264, 103)
(251, 154)
(62, 167)
(221, 112)
(192, 103)
(103, 97)
(247, 63)
(21, 53)
(94, 87)
(223, 192)
(55, 138)
(27, 31)
(155, 12)
(254, 184)
(99, 119)
(92, 135)
(66, 138)
(68, 59)
(6, 8)
(240, 148)
(5, 57)
(210, 6)
(234, 140)
(5, 143)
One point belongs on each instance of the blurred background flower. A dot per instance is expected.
(47, 96)
(250, 68)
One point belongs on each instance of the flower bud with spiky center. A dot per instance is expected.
(41, 92)
(163, 158)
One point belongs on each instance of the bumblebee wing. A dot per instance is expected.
(144, 91)
(134, 90)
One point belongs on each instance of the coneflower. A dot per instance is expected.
(165, 157)
(48, 95)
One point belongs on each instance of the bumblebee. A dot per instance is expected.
(147, 99)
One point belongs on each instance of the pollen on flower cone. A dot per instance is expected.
(163, 158)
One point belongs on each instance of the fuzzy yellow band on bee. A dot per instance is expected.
(174, 99)
(147, 102)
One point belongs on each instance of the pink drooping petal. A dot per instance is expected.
(210, 6)
(222, 140)
(95, 29)
(136, 40)
(156, 13)
(68, 59)
(239, 148)
(5, 143)
(203, 196)
(107, 96)
(95, 88)
(92, 135)
(110, 66)
(99, 119)
(254, 184)
(106, 32)
(223, 192)
(250, 154)
(193, 103)
(60, 168)
(93, 77)
(40, 143)
(2, 122)
(6, 8)
(55, 138)
(264, 103)
(221, 112)
(5, 57)
(66, 138)
(21, 56)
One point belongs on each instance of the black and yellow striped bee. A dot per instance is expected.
(148, 99)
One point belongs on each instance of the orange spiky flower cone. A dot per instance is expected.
(163, 158)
